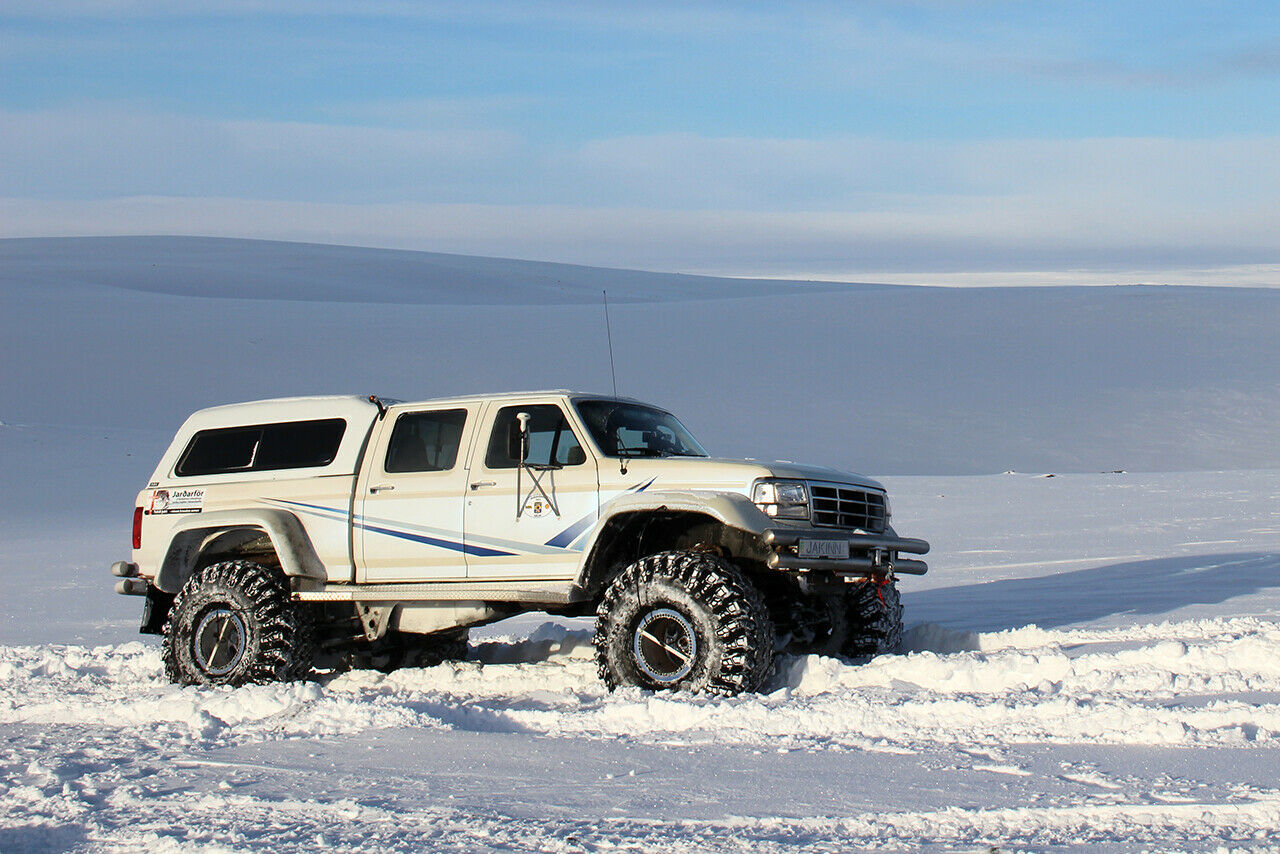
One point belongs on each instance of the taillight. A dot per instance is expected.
(137, 527)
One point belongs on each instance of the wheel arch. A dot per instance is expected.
(635, 526)
(268, 536)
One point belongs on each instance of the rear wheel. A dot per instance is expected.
(873, 618)
(684, 620)
(234, 623)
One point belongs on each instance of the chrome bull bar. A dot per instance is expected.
(868, 553)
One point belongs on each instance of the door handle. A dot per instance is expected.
(382, 487)
(480, 483)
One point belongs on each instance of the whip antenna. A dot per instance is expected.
(609, 332)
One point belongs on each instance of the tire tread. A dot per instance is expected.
(743, 629)
(285, 632)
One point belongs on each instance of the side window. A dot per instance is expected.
(299, 445)
(425, 441)
(216, 451)
(262, 447)
(551, 440)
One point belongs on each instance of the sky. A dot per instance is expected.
(932, 142)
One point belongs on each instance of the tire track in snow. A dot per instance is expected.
(1207, 682)
(104, 770)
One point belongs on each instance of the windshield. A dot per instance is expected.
(634, 430)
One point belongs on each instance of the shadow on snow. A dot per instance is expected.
(1145, 588)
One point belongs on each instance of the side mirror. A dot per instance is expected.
(518, 438)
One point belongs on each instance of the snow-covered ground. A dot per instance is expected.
(1093, 661)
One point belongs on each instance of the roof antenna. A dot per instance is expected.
(622, 460)
(609, 331)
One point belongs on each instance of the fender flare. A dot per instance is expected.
(732, 509)
(288, 537)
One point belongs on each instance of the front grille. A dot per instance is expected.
(848, 507)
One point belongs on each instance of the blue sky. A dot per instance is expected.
(825, 139)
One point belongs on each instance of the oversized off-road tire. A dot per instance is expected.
(234, 623)
(306, 642)
(874, 619)
(687, 621)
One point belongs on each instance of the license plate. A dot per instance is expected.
(837, 549)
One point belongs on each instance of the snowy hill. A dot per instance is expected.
(108, 348)
(1091, 663)
(120, 334)
(271, 270)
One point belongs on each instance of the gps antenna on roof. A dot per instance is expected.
(609, 332)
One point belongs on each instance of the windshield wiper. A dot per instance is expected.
(632, 453)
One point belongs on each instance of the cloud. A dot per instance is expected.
(1262, 60)
(454, 113)
(95, 152)
(1200, 68)
(660, 16)
(819, 244)
(826, 206)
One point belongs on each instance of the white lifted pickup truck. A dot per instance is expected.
(284, 534)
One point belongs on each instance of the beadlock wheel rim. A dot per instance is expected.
(219, 641)
(665, 646)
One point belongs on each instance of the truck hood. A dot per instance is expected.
(675, 473)
(780, 468)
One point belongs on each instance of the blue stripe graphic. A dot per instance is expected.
(343, 513)
(451, 545)
(566, 537)
(477, 551)
(569, 534)
(562, 540)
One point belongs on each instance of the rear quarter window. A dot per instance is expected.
(262, 447)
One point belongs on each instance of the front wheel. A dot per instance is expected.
(234, 623)
(684, 620)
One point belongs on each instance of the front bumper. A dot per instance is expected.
(868, 554)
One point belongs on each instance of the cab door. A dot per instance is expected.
(409, 498)
(527, 522)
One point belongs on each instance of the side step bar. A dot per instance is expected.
(550, 593)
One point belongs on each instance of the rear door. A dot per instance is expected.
(409, 501)
(526, 523)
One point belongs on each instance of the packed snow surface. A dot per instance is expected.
(97, 741)
(1202, 683)
(1051, 695)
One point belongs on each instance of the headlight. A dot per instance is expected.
(782, 499)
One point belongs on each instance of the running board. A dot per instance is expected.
(550, 593)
